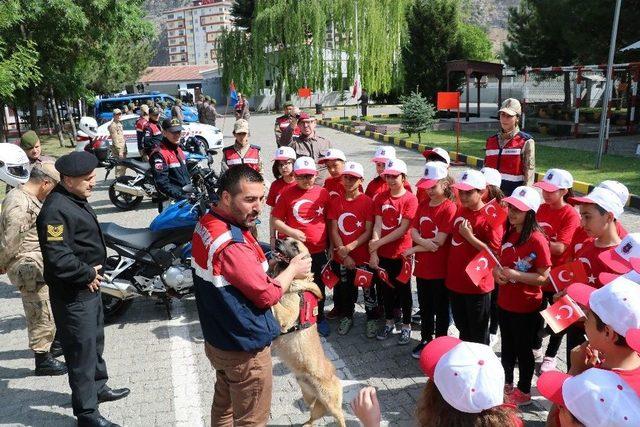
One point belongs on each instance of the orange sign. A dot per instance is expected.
(448, 100)
(304, 92)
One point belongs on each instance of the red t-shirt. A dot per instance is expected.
(378, 185)
(588, 255)
(423, 195)
(305, 210)
(462, 252)
(352, 216)
(393, 210)
(528, 257)
(429, 221)
(277, 188)
(559, 225)
(334, 186)
(580, 236)
(631, 377)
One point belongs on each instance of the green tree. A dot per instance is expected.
(418, 114)
(242, 12)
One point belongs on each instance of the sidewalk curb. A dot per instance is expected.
(476, 162)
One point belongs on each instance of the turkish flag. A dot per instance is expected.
(481, 267)
(567, 274)
(384, 276)
(363, 278)
(494, 213)
(407, 269)
(562, 314)
(329, 278)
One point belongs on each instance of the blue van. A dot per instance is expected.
(103, 108)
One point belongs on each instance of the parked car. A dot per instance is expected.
(103, 108)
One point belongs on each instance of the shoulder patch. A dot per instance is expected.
(54, 232)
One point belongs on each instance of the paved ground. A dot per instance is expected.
(163, 361)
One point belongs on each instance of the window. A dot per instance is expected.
(170, 16)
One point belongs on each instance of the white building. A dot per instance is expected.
(192, 31)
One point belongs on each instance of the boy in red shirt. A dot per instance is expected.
(334, 160)
(300, 213)
(283, 162)
(351, 216)
(378, 184)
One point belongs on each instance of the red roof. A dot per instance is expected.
(173, 73)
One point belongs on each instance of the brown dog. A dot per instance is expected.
(301, 351)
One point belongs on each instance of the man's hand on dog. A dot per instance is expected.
(365, 406)
(301, 265)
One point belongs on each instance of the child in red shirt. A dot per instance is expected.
(351, 216)
(334, 160)
(525, 262)
(283, 162)
(471, 234)
(394, 210)
(300, 213)
(378, 184)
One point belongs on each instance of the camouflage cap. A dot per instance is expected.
(155, 111)
(28, 140)
(144, 108)
(49, 169)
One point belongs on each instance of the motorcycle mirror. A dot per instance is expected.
(212, 151)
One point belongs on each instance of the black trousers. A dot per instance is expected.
(318, 261)
(346, 293)
(471, 313)
(433, 298)
(493, 322)
(518, 335)
(363, 108)
(399, 295)
(507, 187)
(575, 337)
(80, 326)
(554, 339)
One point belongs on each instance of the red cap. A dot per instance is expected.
(580, 293)
(426, 183)
(433, 351)
(550, 386)
(305, 116)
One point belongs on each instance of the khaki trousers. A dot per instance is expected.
(37, 311)
(244, 381)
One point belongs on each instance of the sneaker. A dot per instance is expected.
(345, 325)
(538, 354)
(384, 332)
(323, 328)
(508, 389)
(417, 350)
(416, 319)
(371, 328)
(519, 398)
(405, 336)
(334, 313)
(493, 340)
(548, 364)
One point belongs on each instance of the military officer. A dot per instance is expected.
(73, 253)
(118, 145)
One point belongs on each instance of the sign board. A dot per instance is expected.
(448, 100)
(304, 92)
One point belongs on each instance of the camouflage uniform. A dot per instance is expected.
(118, 145)
(20, 255)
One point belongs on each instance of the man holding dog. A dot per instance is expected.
(234, 296)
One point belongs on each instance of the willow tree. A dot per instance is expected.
(287, 42)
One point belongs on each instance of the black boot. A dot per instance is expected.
(46, 365)
(56, 348)
(98, 421)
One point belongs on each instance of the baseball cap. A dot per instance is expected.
(332, 154)
(144, 108)
(524, 199)
(620, 189)
(384, 153)
(354, 169)
(471, 179)
(554, 180)
(617, 304)
(49, 169)
(596, 397)
(625, 257)
(285, 153)
(606, 278)
(155, 111)
(468, 375)
(605, 198)
(241, 126)
(172, 125)
(433, 172)
(305, 116)
(117, 111)
(304, 166)
(439, 152)
(511, 106)
(492, 176)
(395, 167)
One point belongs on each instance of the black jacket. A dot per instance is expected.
(169, 167)
(71, 243)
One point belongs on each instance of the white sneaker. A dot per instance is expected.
(548, 364)
(493, 340)
(538, 355)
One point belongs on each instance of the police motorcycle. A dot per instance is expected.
(155, 261)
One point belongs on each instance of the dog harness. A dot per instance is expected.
(308, 312)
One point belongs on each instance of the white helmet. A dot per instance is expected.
(14, 165)
(89, 126)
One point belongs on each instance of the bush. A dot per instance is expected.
(418, 114)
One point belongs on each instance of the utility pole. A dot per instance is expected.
(357, 60)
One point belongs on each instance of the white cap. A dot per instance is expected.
(395, 167)
(384, 153)
(440, 152)
(596, 397)
(332, 154)
(524, 199)
(468, 375)
(471, 179)
(620, 189)
(433, 172)
(554, 180)
(304, 166)
(625, 257)
(492, 176)
(511, 106)
(605, 198)
(285, 153)
(617, 304)
(353, 168)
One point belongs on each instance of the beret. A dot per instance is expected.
(28, 140)
(76, 163)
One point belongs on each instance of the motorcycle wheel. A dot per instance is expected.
(113, 307)
(122, 200)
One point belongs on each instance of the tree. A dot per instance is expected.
(242, 12)
(437, 35)
(418, 114)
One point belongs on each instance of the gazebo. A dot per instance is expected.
(476, 69)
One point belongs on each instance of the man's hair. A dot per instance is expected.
(620, 341)
(230, 180)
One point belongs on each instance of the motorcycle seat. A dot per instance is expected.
(136, 164)
(135, 238)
